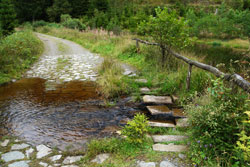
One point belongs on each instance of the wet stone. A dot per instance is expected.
(5, 143)
(42, 151)
(154, 110)
(73, 159)
(19, 164)
(69, 166)
(19, 146)
(100, 158)
(159, 124)
(14, 155)
(157, 99)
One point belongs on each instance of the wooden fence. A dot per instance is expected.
(233, 78)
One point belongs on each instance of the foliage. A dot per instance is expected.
(17, 52)
(216, 119)
(243, 143)
(58, 8)
(136, 129)
(7, 17)
(68, 22)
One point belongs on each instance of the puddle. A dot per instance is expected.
(57, 115)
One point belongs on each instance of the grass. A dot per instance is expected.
(17, 53)
(62, 47)
(61, 63)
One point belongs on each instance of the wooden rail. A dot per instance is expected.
(234, 78)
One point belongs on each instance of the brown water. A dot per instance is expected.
(57, 115)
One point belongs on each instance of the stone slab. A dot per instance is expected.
(14, 155)
(73, 159)
(100, 158)
(182, 122)
(146, 164)
(55, 158)
(168, 138)
(169, 148)
(5, 143)
(154, 110)
(157, 99)
(42, 151)
(19, 164)
(141, 80)
(144, 90)
(19, 146)
(166, 164)
(159, 124)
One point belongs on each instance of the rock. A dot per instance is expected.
(144, 90)
(146, 164)
(69, 166)
(154, 110)
(43, 164)
(57, 164)
(70, 160)
(19, 164)
(42, 151)
(5, 143)
(17, 140)
(14, 155)
(157, 99)
(19, 146)
(167, 138)
(141, 80)
(29, 152)
(169, 148)
(182, 122)
(159, 124)
(55, 158)
(182, 156)
(166, 164)
(100, 158)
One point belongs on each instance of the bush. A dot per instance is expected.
(136, 129)
(17, 52)
(40, 23)
(68, 22)
(216, 120)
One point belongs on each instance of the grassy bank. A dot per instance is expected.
(167, 80)
(17, 53)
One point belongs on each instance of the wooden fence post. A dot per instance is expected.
(189, 76)
(137, 46)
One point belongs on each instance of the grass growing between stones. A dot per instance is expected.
(61, 63)
(62, 47)
(17, 53)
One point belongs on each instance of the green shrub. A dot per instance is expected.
(216, 120)
(17, 52)
(40, 23)
(136, 129)
(68, 22)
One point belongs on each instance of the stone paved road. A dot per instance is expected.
(64, 61)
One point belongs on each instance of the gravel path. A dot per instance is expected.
(64, 61)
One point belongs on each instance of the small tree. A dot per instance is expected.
(167, 29)
(7, 17)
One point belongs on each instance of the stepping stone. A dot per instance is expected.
(69, 166)
(29, 152)
(55, 158)
(42, 151)
(141, 80)
(169, 148)
(159, 124)
(175, 98)
(157, 99)
(154, 110)
(166, 164)
(5, 143)
(70, 160)
(178, 112)
(144, 90)
(146, 164)
(19, 164)
(100, 158)
(14, 155)
(168, 138)
(19, 146)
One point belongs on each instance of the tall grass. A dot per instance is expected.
(17, 52)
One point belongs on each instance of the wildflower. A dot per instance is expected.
(198, 141)
(210, 145)
(205, 158)
(205, 145)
